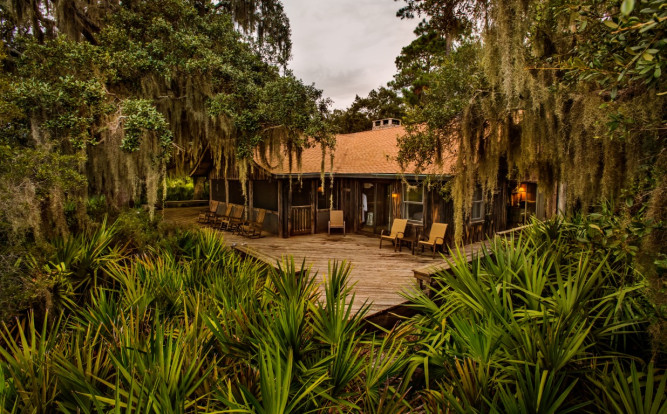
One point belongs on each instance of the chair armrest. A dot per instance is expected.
(382, 233)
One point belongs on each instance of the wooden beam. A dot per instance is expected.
(313, 207)
(226, 191)
(281, 210)
(288, 209)
(250, 200)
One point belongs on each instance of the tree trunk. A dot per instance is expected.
(199, 188)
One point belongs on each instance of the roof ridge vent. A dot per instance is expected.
(386, 123)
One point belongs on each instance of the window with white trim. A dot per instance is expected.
(413, 202)
(477, 213)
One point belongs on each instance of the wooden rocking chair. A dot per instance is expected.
(254, 228)
(235, 219)
(207, 215)
(218, 217)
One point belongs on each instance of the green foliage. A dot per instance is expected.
(635, 391)
(190, 326)
(432, 122)
(629, 47)
(379, 104)
(552, 320)
(126, 87)
(141, 117)
(416, 64)
(31, 179)
(563, 91)
(181, 189)
(531, 325)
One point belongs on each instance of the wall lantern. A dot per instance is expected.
(522, 192)
(394, 195)
(320, 189)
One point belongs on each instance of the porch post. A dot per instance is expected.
(562, 187)
(226, 191)
(288, 210)
(313, 203)
(250, 200)
(281, 210)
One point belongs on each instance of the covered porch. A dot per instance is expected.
(378, 275)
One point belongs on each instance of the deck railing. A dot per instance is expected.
(301, 220)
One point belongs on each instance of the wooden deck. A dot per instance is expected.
(379, 275)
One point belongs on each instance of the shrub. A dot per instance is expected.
(515, 329)
(180, 189)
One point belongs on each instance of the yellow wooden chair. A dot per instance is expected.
(396, 234)
(436, 237)
(336, 221)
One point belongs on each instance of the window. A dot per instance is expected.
(301, 193)
(236, 192)
(413, 202)
(477, 205)
(265, 195)
(218, 190)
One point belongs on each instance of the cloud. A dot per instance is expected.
(346, 47)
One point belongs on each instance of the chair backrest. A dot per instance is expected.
(336, 218)
(213, 207)
(228, 210)
(437, 234)
(238, 211)
(260, 216)
(398, 226)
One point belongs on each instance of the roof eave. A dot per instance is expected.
(359, 175)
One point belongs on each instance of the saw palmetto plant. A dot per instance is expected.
(544, 322)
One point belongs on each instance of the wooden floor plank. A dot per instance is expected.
(379, 275)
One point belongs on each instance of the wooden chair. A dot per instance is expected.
(436, 237)
(254, 228)
(397, 232)
(219, 217)
(336, 221)
(207, 215)
(235, 219)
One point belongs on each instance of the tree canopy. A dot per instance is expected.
(379, 104)
(116, 94)
(559, 91)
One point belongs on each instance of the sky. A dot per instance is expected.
(346, 47)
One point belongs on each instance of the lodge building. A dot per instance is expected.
(368, 184)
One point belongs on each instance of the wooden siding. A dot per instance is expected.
(297, 211)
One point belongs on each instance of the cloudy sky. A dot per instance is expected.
(346, 47)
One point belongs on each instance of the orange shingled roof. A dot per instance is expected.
(368, 152)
